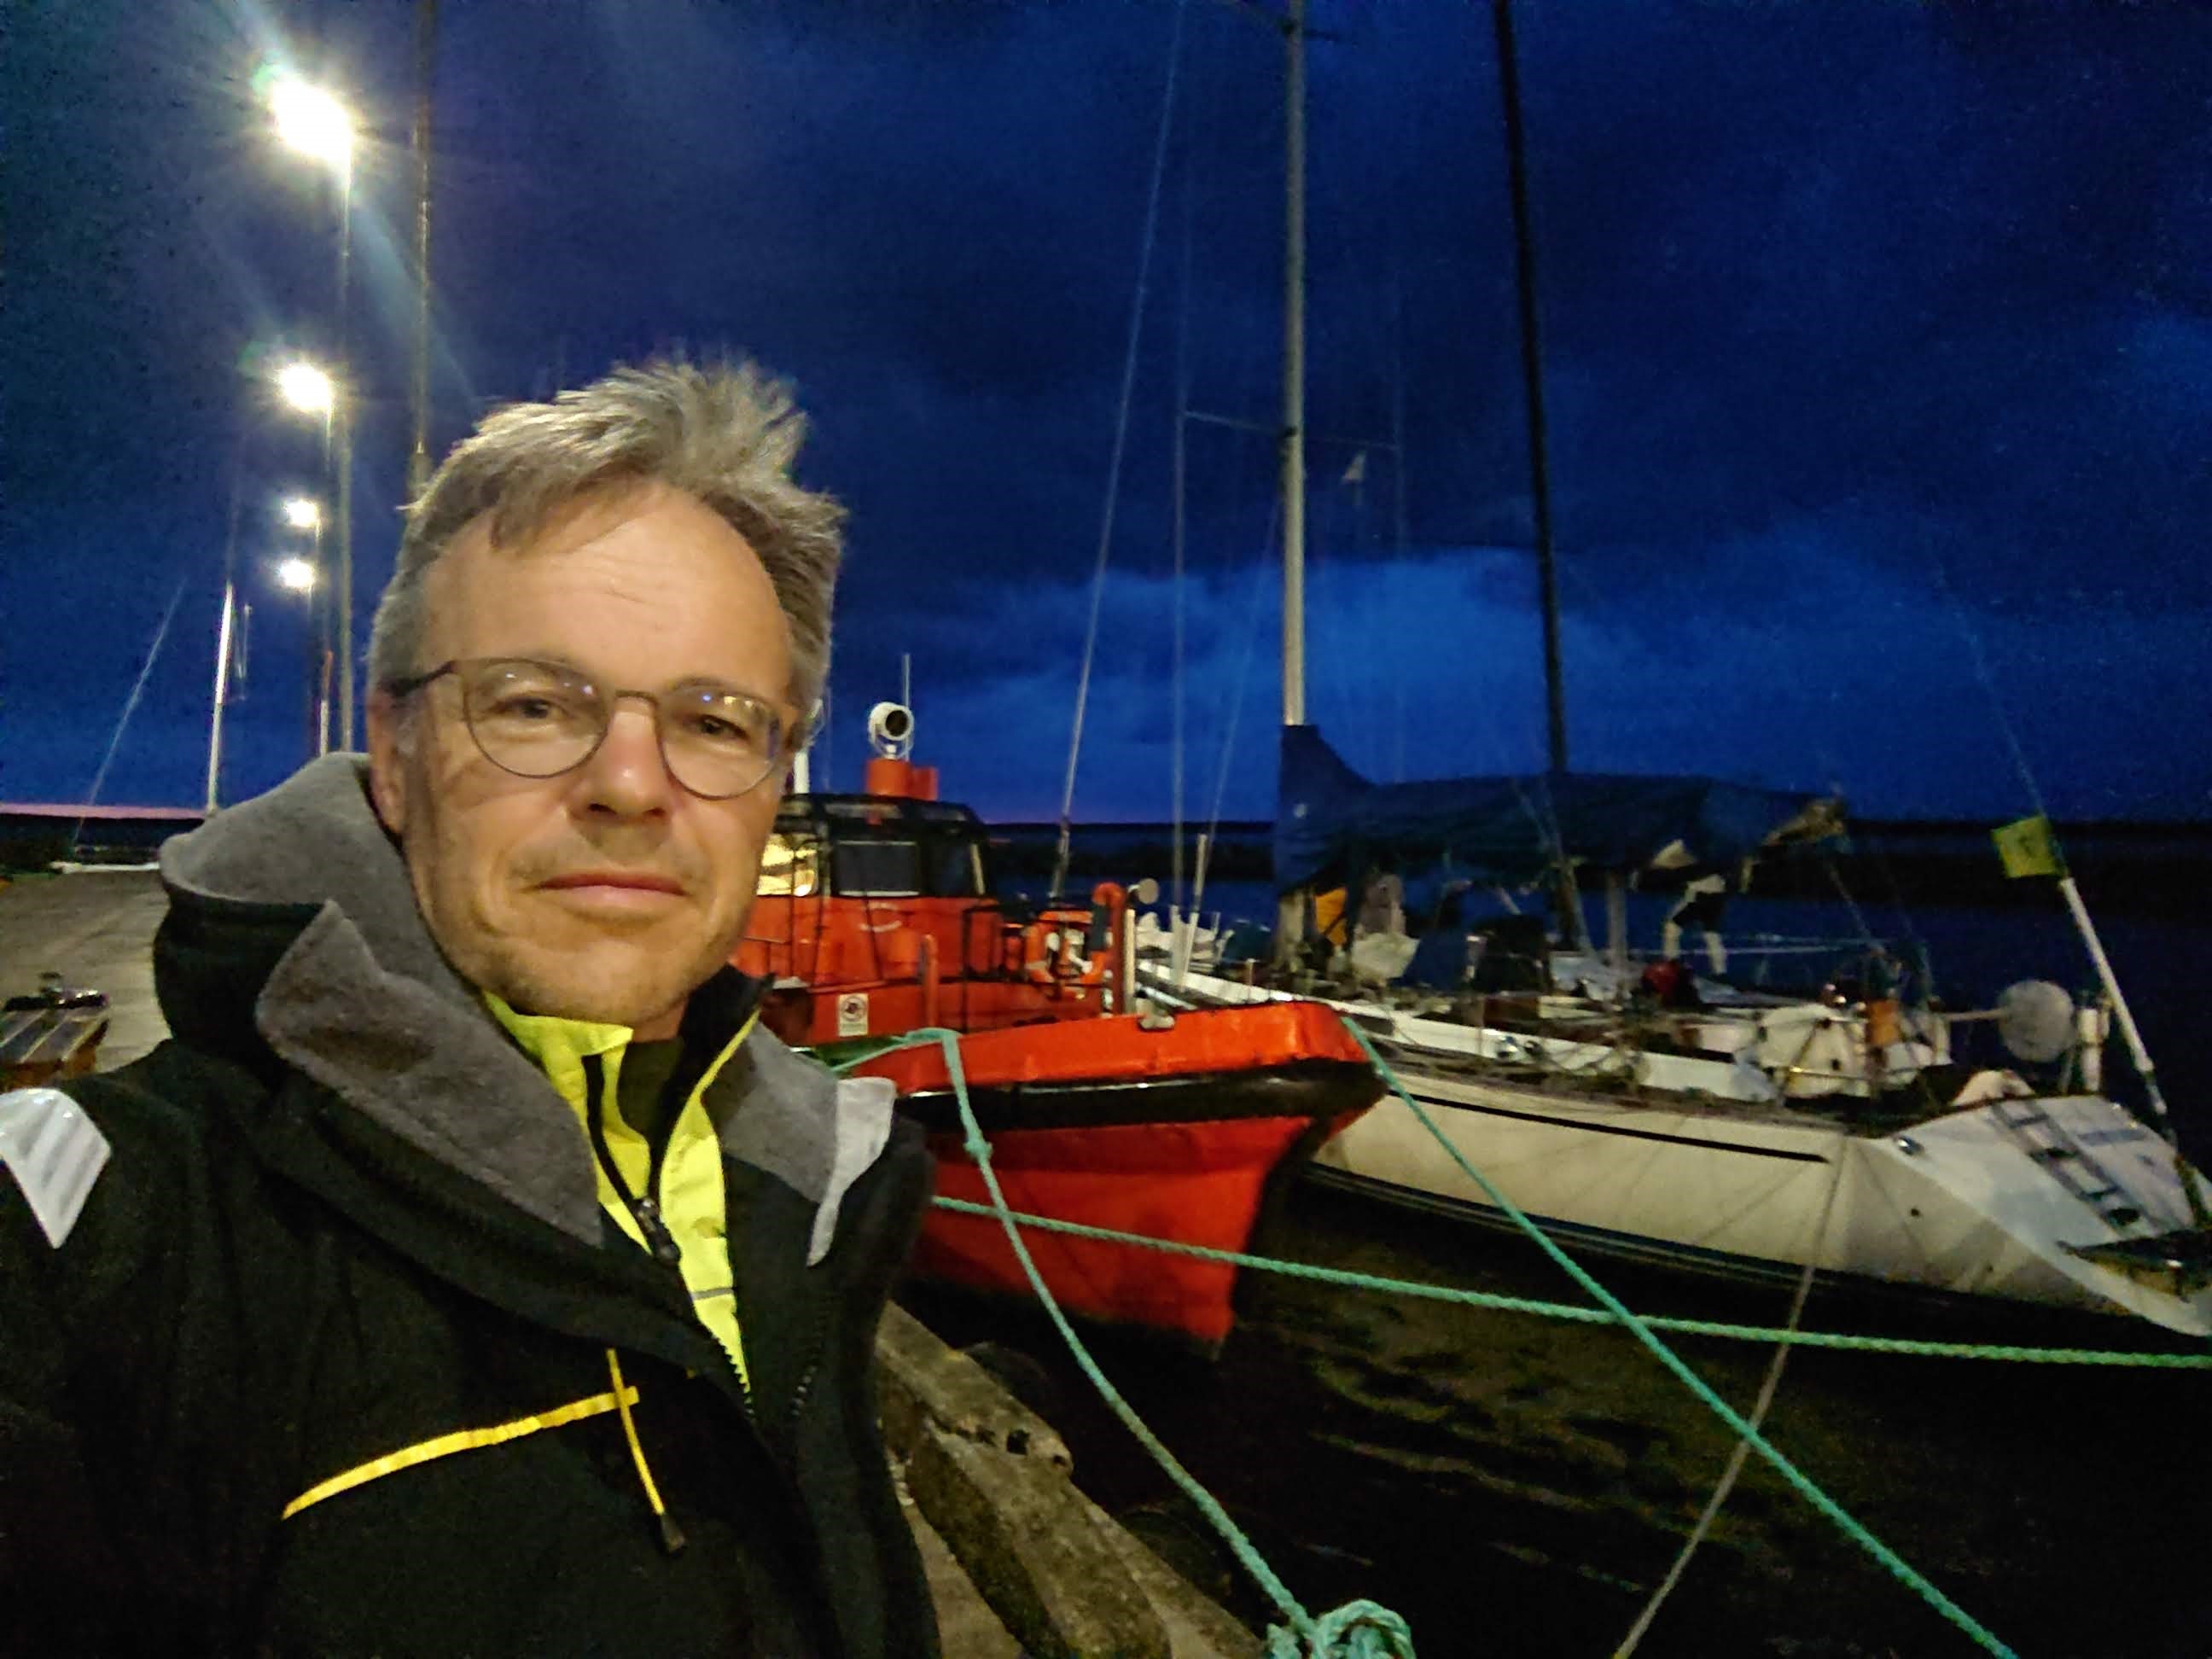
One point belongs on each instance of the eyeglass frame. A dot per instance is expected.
(789, 739)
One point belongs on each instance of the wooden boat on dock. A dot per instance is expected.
(876, 918)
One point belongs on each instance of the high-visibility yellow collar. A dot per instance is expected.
(559, 1045)
(690, 1193)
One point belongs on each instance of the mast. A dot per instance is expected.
(1291, 915)
(342, 414)
(1294, 370)
(418, 457)
(1532, 371)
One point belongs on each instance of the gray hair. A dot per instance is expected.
(724, 434)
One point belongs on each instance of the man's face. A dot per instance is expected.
(610, 892)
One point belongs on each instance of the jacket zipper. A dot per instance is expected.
(818, 1338)
(878, 1290)
(642, 1207)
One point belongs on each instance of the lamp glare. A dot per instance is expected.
(306, 388)
(311, 121)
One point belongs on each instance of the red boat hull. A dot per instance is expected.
(1179, 1134)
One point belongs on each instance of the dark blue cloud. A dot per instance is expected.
(1869, 329)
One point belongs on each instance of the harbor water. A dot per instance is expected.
(1518, 1485)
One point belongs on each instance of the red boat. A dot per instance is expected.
(876, 918)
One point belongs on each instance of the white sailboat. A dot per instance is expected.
(2063, 1199)
(1745, 1133)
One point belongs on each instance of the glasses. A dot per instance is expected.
(539, 719)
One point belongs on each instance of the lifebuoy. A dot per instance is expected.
(1047, 955)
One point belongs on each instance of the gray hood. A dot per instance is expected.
(365, 1003)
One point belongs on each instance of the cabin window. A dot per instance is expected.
(790, 867)
(878, 869)
(956, 867)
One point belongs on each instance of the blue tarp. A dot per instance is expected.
(1331, 823)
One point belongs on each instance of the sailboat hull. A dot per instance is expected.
(1964, 1203)
(1998, 1198)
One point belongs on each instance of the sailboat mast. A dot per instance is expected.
(1294, 371)
(1291, 908)
(1532, 370)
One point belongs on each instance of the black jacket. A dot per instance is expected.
(345, 1229)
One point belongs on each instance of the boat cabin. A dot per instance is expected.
(875, 916)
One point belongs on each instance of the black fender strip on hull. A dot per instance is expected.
(1318, 1089)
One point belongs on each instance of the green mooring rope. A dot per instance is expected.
(1363, 1630)
(1642, 1332)
(1358, 1629)
(1571, 1311)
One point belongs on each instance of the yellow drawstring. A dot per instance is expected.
(671, 1535)
(461, 1440)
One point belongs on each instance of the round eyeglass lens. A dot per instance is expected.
(718, 742)
(532, 718)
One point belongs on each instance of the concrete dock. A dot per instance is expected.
(1021, 1563)
(97, 929)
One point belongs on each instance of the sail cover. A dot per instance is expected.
(1330, 823)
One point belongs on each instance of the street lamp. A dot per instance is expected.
(302, 513)
(306, 388)
(297, 575)
(311, 122)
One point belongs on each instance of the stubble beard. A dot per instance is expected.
(610, 980)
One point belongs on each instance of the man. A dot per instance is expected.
(468, 1274)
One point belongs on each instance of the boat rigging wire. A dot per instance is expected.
(130, 705)
(1243, 675)
(2200, 1212)
(1120, 439)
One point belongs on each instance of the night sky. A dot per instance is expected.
(1878, 344)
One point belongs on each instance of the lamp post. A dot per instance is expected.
(301, 576)
(298, 575)
(224, 630)
(309, 390)
(313, 123)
